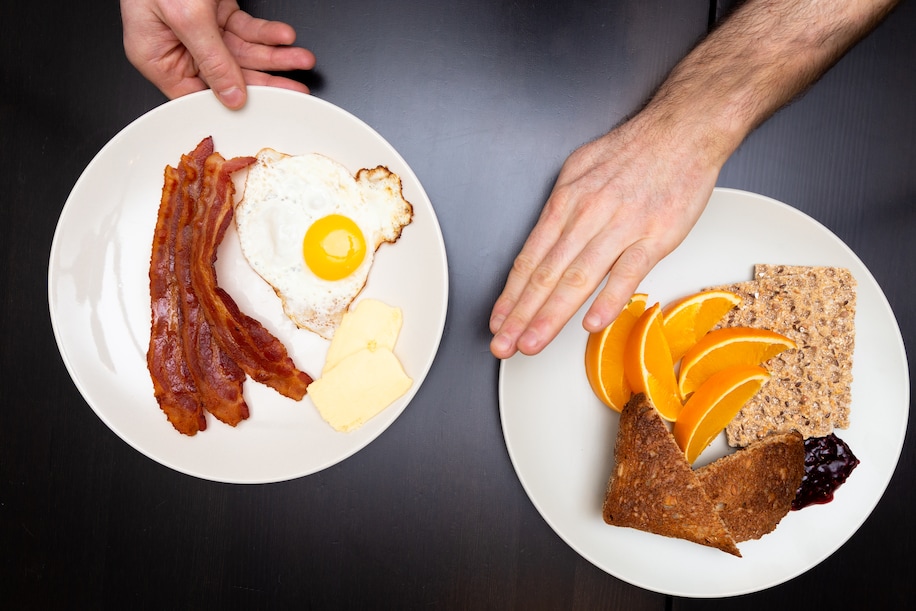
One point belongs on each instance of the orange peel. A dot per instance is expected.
(688, 319)
(714, 405)
(604, 355)
(727, 347)
(648, 365)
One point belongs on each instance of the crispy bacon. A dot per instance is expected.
(201, 344)
(173, 383)
(261, 355)
(218, 378)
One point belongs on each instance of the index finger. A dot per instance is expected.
(551, 291)
(574, 286)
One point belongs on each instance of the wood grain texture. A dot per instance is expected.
(484, 100)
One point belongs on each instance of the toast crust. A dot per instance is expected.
(753, 488)
(654, 489)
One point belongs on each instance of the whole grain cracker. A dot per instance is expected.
(809, 390)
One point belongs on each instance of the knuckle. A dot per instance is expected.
(524, 265)
(560, 195)
(558, 205)
(216, 68)
(183, 15)
(592, 203)
(543, 277)
(575, 277)
(503, 306)
(635, 261)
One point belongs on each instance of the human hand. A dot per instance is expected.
(183, 46)
(624, 201)
(620, 204)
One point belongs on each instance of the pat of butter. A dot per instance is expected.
(359, 387)
(371, 325)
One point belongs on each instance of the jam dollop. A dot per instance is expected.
(828, 462)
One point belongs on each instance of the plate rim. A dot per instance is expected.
(898, 441)
(262, 95)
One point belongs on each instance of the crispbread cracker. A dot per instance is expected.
(809, 390)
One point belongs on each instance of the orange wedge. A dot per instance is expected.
(727, 347)
(689, 318)
(714, 404)
(648, 365)
(604, 355)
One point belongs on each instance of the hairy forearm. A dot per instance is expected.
(756, 61)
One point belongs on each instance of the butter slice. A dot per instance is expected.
(371, 325)
(359, 387)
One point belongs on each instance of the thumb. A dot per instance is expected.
(217, 66)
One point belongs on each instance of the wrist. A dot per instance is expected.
(707, 131)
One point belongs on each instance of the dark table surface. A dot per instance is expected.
(431, 514)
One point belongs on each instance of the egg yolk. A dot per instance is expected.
(333, 247)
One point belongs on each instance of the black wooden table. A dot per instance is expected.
(484, 100)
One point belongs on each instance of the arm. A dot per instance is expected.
(624, 201)
(183, 46)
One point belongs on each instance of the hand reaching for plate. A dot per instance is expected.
(619, 205)
(624, 201)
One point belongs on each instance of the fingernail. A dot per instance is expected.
(496, 322)
(500, 344)
(592, 321)
(232, 97)
(528, 342)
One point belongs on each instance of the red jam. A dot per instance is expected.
(828, 462)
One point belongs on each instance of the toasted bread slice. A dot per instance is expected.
(654, 489)
(752, 489)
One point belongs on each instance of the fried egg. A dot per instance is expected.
(310, 229)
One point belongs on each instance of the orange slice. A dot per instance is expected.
(689, 318)
(604, 355)
(714, 404)
(726, 347)
(648, 365)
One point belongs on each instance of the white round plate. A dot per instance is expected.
(98, 285)
(561, 438)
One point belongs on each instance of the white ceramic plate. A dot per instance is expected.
(98, 285)
(560, 436)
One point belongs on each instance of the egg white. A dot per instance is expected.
(283, 196)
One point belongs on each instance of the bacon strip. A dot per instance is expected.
(261, 355)
(173, 383)
(218, 378)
